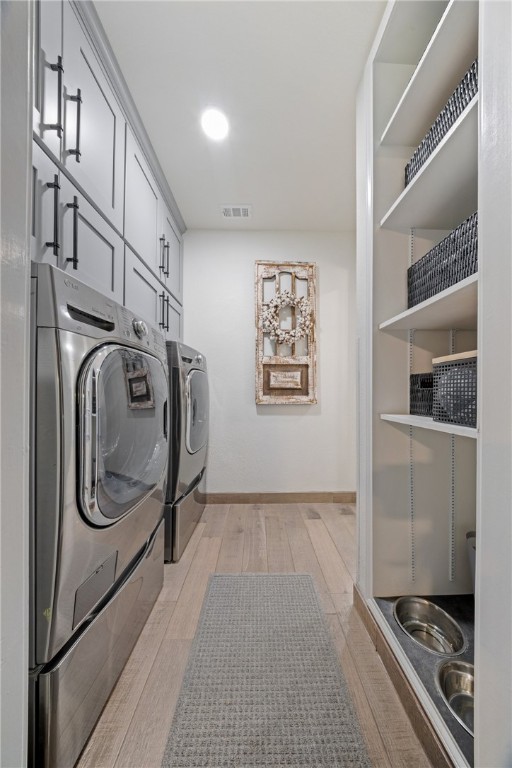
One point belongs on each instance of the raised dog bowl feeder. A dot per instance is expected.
(429, 626)
(456, 683)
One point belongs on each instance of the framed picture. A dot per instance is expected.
(285, 300)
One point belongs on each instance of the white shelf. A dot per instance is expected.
(438, 73)
(455, 307)
(425, 422)
(444, 192)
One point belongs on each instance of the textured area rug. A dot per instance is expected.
(263, 685)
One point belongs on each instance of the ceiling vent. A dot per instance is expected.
(236, 211)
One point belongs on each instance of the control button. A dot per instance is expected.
(140, 328)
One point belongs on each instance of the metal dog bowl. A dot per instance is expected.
(455, 680)
(429, 626)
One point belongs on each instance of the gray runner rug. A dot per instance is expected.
(263, 685)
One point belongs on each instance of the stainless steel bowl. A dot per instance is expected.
(455, 680)
(429, 626)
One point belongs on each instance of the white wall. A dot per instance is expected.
(273, 448)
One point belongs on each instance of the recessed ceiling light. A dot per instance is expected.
(215, 124)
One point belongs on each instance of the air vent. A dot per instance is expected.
(236, 211)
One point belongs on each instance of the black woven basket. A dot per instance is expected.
(457, 103)
(451, 260)
(421, 394)
(455, 390)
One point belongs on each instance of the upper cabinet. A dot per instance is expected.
(97, 185)
(149, 227)
(76, 114)
(48, 121)
(171, 242)
(141, 207)
(69, 233)
(94, 125)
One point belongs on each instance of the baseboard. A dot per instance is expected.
(320, 497)
(420, 722)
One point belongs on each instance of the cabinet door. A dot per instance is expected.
(46, 241)
(173, 320)
(94, 125)
(147, 297)
(91, 250)
(141, 207)
(170, 240)
(48, 74)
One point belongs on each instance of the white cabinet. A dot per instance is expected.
(146, 296)
(46, 241)
(94, 125)
(149, 227)
(170, 239)
(422, 485)
(91, 179)
(48, 122)
(141, 207)
(70, 234)
(76, 113)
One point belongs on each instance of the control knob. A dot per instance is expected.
(140, 328)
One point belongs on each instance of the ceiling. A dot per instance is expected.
(285, 73)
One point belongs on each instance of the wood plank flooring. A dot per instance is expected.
(276, 538)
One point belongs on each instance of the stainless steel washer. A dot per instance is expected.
(99, 465)
(188, 447)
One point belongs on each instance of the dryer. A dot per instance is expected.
(188, 446)
(98, 473)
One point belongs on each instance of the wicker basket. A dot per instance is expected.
(455, 389)
(421, 394)
(451, 260)
(457, 103)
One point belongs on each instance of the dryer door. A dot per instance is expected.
(197, 410)
(123, 431)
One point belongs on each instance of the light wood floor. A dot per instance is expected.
(306, 538)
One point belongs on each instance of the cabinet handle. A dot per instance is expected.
(74, 205)
(167, 248)
(161, 324)
(78, 98)
(55, 243)
(162, 254)
(58, 125)
(167, 319)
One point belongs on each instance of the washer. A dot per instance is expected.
(98, 472)
(188, 447)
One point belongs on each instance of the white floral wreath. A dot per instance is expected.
(303, 320)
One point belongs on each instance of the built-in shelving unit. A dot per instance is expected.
(423, 485)
(418, 490)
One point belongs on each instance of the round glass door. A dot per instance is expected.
(123, 395)
(197, 410)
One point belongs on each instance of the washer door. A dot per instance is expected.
(197, 411)
(123, 431)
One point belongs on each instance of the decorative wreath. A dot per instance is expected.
(303, 320)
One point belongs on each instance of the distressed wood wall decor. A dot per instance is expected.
(285, 299)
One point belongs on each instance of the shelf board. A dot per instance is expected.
(455, 307)
(425, 422)
(444, 192)
(438, 73)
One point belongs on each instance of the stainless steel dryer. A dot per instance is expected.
(188, 446)
(99, 467)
